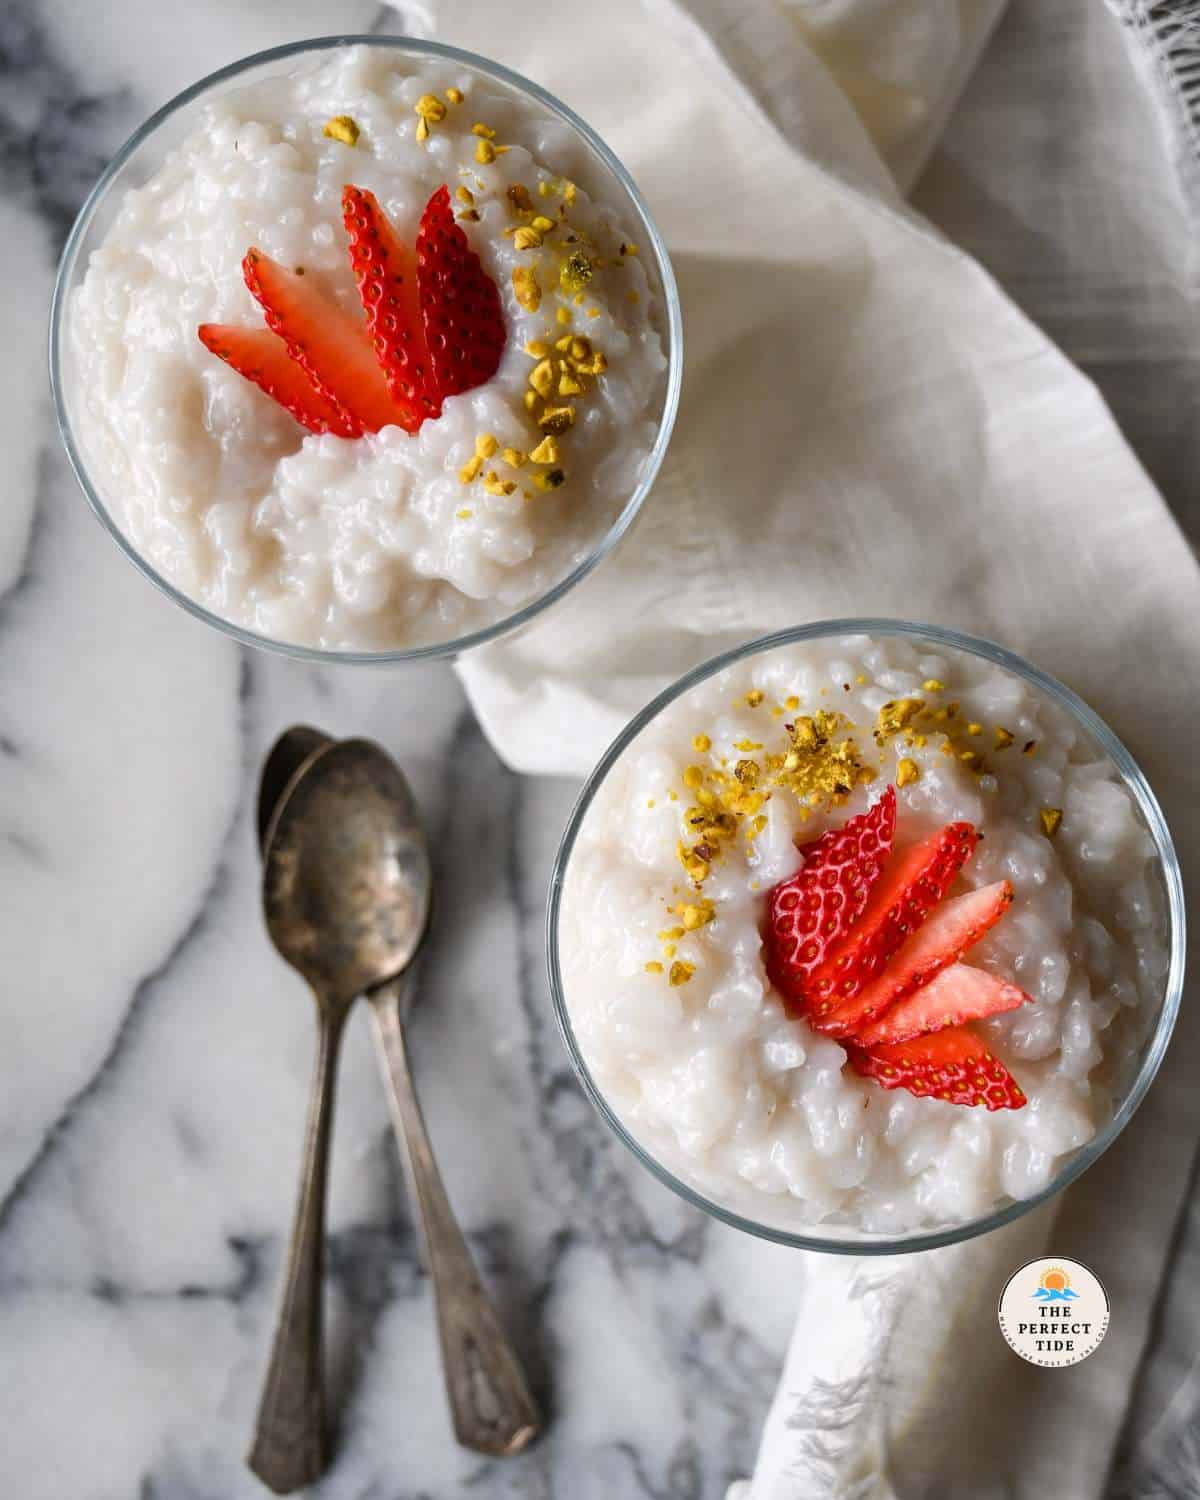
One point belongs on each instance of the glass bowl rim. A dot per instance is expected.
(1132, 777)
(497, 72)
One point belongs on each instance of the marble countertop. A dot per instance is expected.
(156, 1051)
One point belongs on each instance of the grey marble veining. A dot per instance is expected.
(154, 1052)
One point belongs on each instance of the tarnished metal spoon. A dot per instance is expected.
(340, 830)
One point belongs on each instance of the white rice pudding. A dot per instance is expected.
(375, 542)
(755, 1109)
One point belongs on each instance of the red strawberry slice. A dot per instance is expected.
(816, 907)
(956, 995)
(910, 889)
(257, 354)
(331, 348)
(386, 273)
(952, 1064)
(942, 939)
(464, 323)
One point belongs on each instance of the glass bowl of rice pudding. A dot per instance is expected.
(333, 476)
(866, 937)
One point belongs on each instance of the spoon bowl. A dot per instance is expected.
(347, 884)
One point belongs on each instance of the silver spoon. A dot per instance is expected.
(346, 890)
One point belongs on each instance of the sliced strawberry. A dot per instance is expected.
(816, 907)
(464, 323)
(332, 349)
(257, 354)
(386, 273)
(952, 1064)
(956, 995)
(911, 887)
(941, 939)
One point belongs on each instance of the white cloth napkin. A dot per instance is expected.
(868, 426)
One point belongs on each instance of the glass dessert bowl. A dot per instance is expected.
(365, 349)
(866, 936)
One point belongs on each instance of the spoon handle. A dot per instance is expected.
(290, 1445)
(490, 1403)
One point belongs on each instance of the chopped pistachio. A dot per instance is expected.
(430, 108)
(527, 238)
(518, 196)
(470, 470)
(422, 129)
(654, 967)
(465, 195)
(531, 399)
(486, 444)
(525, 285)
(907, 771)
(1051, 819)
(974, 728)
(485, 132)
(537, 348)
(342, 128)
(541, 377)
(455, 96)
(557, 419)
(933, 685)
(562, 315)
(494, 485)
(514, 458)
(550, 481)
(680, 973)
(568, 385)
(546, 451)
(575, 272)
(485, 153)
(542, 224)
(464, 515)
(1003, 738)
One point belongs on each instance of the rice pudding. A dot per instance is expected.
(863, 933)
(246, 481)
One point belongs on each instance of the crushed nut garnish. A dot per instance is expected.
(1029, 747)
(702, 743)
(754, 697)
(485, 153)
(430, 108)
(974, 728)
(486, 444)
(470, 470)
(455, 96)
(531, 399)
(485, 132)
(526, 238)
(537, 348)
(465, 195)
(546, 451)
(933, 685)
(563, 315)
(342, 128)
(557, 419)
(568, 385)
(518, 196)
(907, 771)
(1051, 818)
(551, 481)
(494, 485)
(695, 914)
(575, 272)
(464, 515)
(681, 972)
(895, 716)
(514, 458)
(1003, 738)
(541, 377)
(542, 224)
(654, 967)
(525, 285)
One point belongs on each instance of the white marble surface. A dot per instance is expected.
(154, 1052)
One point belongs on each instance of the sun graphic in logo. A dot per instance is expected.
(1054, 1285)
